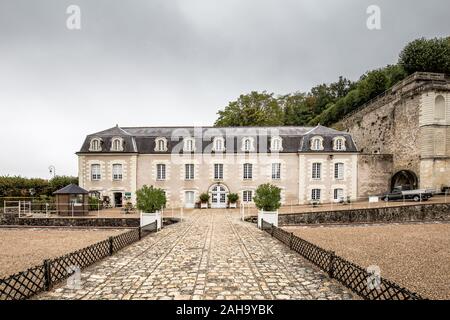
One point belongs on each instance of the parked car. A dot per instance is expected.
(400, 193)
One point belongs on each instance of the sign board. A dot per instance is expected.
(373, 199)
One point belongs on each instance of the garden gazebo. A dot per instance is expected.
(72, 200)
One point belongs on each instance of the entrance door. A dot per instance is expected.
(218, 197)
(189, 200)
(118, 199)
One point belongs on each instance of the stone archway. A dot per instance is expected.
(218, 193)
(404, 178)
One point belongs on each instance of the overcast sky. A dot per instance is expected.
(175, 62)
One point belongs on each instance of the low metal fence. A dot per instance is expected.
(366, 284)
(24, 285)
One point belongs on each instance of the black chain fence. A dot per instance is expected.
(24, 285)
(366, 284)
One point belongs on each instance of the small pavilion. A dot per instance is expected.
(72, 200)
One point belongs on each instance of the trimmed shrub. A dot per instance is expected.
(150, 199)
(267, 197)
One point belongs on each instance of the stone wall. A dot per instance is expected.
(413, 213)
(374, 173)
(11, 219)
(402, 123)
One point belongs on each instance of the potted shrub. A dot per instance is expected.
(232, 199)
(150, 201)
(204, 200)
(267, 200)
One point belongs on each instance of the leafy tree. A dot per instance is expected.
(253, 109)
(267, 197)
(150, 199)
(59, 182)
(424, 55)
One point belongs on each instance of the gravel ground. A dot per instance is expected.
(22, 248)
(416, 256)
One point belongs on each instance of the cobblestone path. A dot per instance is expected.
(210, 255)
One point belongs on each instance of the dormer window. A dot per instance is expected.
(276, 144)
(161, 144)
(317, 143)
(96, 145)
(219, 144)
(247, 144)
(189, 144)
(117, 144)
(339, 144)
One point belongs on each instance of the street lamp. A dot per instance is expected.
(52, 170)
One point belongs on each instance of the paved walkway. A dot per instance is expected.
(210, 255)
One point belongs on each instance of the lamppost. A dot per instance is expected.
(52, 170)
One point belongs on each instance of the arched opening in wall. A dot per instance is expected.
(439, 108)
(405, 179)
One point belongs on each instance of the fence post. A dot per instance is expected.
(290, 240)
(331, 264)
(271, 231)
(140, 233)
(111, 246)
(47, 275)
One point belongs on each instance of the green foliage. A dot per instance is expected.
(328, 103)
(17, 186)
(204, 197)
(424, 55)
(150, 199)
(233, 197)
(94, 203)
(267, 197)
(253, 109)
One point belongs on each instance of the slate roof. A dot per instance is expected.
(71, 189)
(142, 139)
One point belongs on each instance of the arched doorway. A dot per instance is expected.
(218, 196)
(406, 179)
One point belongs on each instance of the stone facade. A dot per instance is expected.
(410, 122)
(140, 158)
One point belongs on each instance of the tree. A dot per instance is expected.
(424, 55)
(267, 197)
(59, 182)
(253, 109)
(150, 199)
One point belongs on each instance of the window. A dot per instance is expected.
(339, 171)
(276, 171)
(189, 145)
(338, 194)
(160, 172)
(315, 194)
(276, 144)
(117, 171)
(439, 107)
(116, 144)
(218, 171)
(247, 144)
(218, 144)
(339, 144)
(316, 170)
(189, 171)
(248, 171)
(160, 144)
(96, 145)
(247, 196)
(317, 143)
(95, 172)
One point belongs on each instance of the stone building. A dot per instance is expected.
(404, 136)
(307, 163)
